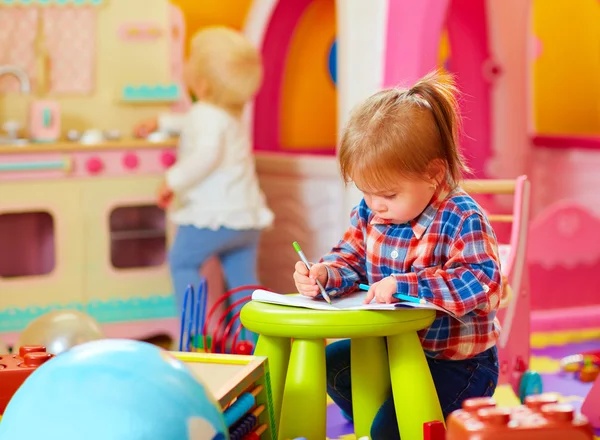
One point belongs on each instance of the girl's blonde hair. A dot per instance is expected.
(404, 132)
(229, 64)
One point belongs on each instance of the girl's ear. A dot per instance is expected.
(200, 87)
(436, 171)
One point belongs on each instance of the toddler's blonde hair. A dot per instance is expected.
(230, 65)
(402, 132)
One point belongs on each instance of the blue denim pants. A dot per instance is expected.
(455, 382)
(236, 249)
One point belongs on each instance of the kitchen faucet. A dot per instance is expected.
(18, 73)
(12, 127)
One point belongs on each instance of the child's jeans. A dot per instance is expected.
(455, 381)
(236, 249)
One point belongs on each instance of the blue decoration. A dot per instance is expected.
(333, 62)
(147, 93)
(113, 389)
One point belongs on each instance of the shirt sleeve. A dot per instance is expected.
(171, 122)
(346, 262)
(206, 133)
(470, 281)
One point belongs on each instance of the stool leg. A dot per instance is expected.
(277, 351)
(304, 407)
(370, 381)
(415, 396)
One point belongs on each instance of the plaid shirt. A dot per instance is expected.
(448, 256)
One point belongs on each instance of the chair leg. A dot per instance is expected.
(370, 381)
(277, 351)
(304, 406)
(415, 396)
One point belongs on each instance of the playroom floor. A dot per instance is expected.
(545, 360)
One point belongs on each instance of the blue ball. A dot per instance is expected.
(113, 389)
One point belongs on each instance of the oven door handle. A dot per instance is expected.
(66, 164)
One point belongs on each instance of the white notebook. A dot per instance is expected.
(351, 301)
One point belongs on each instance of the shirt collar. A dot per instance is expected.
(420, 224)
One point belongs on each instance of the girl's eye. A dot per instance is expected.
(389, 196)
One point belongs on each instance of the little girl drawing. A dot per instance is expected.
(221, 208)
(417, 233)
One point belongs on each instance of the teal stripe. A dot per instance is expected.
(31, 166)
(105, 312)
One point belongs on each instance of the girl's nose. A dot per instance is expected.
(379, 205)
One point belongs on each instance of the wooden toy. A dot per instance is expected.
(242, 387)
(540, 418)
(15, 368)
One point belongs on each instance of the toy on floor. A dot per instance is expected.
(585, 366)
(59, 330)
(542, 417)
(228, 329)
(241, 386)
(197, 314)
(113, 389)
(15, 368)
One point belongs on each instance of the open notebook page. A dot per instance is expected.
(350, 301)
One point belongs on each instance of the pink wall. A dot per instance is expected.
(413, 39)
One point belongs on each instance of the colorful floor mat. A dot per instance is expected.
(545, 360)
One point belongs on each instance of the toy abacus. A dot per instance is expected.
(241, 386)
(227, 329)
(241, 417)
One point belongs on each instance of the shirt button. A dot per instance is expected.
(394, 254)
(486, 288)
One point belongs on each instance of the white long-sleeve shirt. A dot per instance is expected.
(214, 177)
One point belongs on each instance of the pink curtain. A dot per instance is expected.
(70, 34)
(18, 27)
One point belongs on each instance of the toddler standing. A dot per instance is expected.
(222, 209)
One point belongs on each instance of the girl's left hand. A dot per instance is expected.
(382, 291)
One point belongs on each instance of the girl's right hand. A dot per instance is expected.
(144, 128)
(306, 281)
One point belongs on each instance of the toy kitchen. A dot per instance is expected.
(79, 227)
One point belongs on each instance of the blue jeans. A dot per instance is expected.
(455, 381)
(236, 249)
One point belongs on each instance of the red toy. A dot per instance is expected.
(14, 369)
(224, 338)
(541, 418)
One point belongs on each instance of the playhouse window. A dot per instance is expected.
(27, 241)
(137, 237)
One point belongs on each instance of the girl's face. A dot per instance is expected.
(403, 201)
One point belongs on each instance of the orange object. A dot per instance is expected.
(541, 418)
(589, 373)
(15, 368)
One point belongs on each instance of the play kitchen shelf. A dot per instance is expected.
(79, 228)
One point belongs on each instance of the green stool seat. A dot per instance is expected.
(297, 369)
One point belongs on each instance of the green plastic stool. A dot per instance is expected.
(297, 368)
